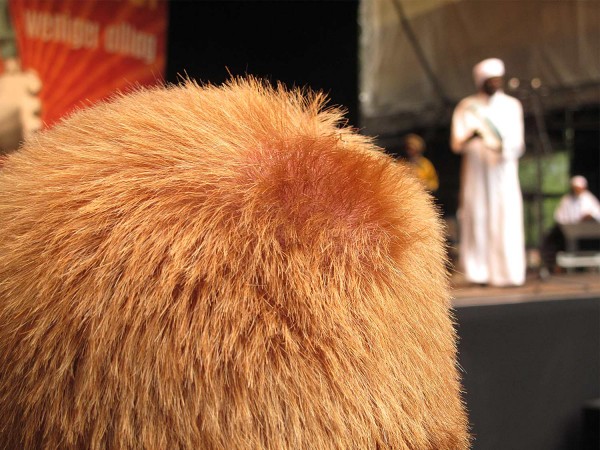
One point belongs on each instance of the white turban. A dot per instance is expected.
(579, 181)
(488, 68)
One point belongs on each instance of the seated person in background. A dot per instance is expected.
(579, 205)
(414, 146)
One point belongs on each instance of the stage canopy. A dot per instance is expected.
(417, 55)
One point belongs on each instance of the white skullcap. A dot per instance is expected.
(488, 68)
(579, 181)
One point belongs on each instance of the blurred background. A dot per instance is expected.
(416, 60)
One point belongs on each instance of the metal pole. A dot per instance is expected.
(410, 34)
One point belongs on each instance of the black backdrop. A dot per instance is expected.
(301, 43)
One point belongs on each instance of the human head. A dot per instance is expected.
(221, 267)
(414, 145)
(488, 75)
(578, 184)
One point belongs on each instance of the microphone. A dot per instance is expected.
(515, 83)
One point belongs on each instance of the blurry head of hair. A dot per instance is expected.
(210, 267)
(414, 144)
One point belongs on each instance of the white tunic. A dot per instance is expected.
(575, 208)
(492, 243)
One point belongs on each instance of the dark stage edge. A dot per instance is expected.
(530, 361)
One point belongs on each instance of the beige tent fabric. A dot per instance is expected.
(555, 41)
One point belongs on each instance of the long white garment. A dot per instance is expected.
(492, 243)
(574, 208)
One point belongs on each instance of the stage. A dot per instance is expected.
(555, 287)
(530, 361)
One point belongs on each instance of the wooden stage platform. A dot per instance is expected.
(554, 287)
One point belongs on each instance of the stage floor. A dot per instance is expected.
(554, 287)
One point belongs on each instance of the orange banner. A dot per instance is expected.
(82, 51)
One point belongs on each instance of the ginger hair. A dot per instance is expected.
(231, 267)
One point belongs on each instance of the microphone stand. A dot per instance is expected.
(530, 90)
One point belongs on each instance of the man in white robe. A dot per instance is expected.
(487, 129)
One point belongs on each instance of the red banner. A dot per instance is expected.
(82, 51)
